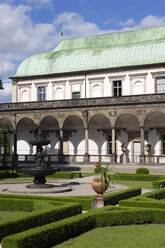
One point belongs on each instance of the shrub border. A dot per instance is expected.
(54, 233)
(52, 211)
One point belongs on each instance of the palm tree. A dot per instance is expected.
(1, 84)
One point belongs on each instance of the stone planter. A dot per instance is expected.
(99, 187)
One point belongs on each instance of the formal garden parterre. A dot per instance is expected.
(48, 221)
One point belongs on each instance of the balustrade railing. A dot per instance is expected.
(27, 158)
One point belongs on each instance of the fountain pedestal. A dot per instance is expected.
(40, 171)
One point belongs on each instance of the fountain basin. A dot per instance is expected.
(39, 176)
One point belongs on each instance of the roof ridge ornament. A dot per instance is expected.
(61, 33)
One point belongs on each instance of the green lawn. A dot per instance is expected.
(142, 184)
(133, 236)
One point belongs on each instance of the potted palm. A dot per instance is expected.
(104, 176)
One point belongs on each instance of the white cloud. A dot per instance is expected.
(33, 3)
(39, 3)
(129, 22)
(19, 33)
(21, 37)
(74, 25)
(151, 21)
(6, 67)
(109, 21)
(147, 22)
(5, 95)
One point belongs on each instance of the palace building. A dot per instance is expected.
(96, 98)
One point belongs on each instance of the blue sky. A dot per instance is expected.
(28, 27)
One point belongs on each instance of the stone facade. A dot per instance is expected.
(84, 125)
(99, 98)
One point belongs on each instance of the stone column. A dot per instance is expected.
(61, 145)
(86, 125)
(5, 144)
(142, 155)
(15, 141)
(86, 155)
(113, 156)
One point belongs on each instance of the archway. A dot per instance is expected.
(50, 129)
(25, 132)
(73, 137)
(100, 139)
(128, 135)
(6, 139)
(154, 125)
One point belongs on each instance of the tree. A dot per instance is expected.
(1, 84)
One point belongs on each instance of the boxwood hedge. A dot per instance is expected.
(53, 208)
(113, 198)
(43, 212)
(147, 200)
(54, 233)
(139, 177)
(159, 184)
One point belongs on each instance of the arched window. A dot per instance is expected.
(138, 88)
(96, 90)
(58, 93)
(25, 96)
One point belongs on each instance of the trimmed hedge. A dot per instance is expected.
(159, 184)
(113, 198)
(16, 204)
(7, 174)
(142, 171)
(66, 175)
(51, 208)
(139, 177)
(51, 211)
(148, 200)
(54, 233)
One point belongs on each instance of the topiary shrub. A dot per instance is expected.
(142, 171)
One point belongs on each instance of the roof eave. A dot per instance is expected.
(88, 71)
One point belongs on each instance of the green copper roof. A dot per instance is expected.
(133, 48)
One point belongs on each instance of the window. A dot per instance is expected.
(75, 95)
(117, 88)
(58, 93)
(138, 88)
(160, 84)
(41, 93)
(109, 144)
(96, 91)
(163, 143)
(25, 96)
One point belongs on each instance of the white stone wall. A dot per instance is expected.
(154, 140)
(23, 145)
(97, 85)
